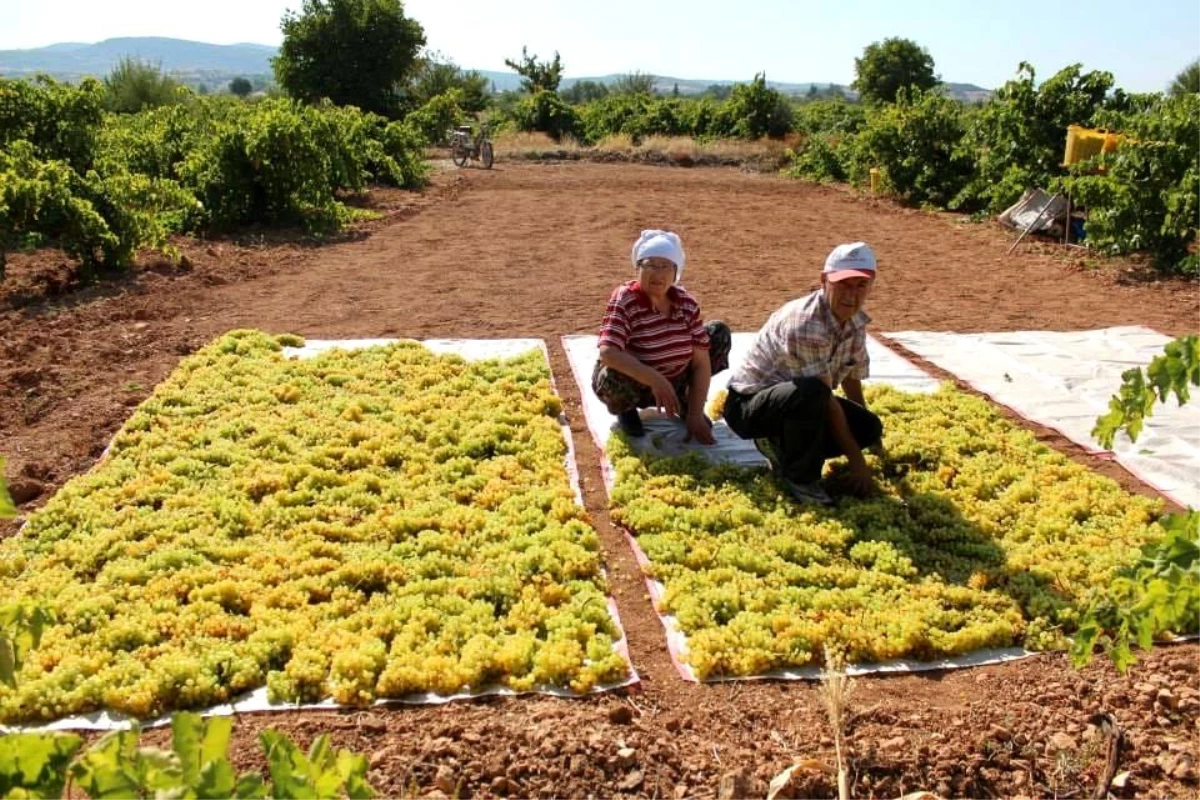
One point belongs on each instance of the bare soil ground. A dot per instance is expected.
(533, 249)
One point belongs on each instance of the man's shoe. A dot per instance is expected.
(764, 446)
(807, 492)
(631, 422)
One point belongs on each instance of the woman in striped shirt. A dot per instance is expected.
(655, 350)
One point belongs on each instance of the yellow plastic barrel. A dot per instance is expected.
(874, 180)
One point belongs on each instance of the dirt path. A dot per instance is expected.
(534, 250)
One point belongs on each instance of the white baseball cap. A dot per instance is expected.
(853, 260)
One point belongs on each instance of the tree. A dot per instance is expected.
(547, 112)
(759, 110)
(718, 91)
(584, 92)
(354, 52)
(240, 86)
(890, 65)
(537, 74)
(916, 142)
(635, 83)
(134, 85)
(1017, 138)
(435, 74)
(1187, 81)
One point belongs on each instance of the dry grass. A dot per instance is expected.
(769, 154)
(524, 145)
(836, 690)
(722, 148)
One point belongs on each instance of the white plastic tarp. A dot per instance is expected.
(1035, 211)
(1064, 380)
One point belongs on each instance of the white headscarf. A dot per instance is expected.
(659, 244)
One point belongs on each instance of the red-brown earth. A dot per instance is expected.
(534, 250)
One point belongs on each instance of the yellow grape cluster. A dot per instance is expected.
(360, 525)
(980, 537)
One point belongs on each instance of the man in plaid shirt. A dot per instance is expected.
(782, 395)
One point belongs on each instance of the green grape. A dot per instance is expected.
(977, 529)
(359, 525)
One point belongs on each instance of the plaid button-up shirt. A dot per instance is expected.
(804, 340)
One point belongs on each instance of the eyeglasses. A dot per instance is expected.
(656, 266)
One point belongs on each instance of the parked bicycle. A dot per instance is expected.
(467, 146)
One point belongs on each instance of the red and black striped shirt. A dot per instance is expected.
(665, 343)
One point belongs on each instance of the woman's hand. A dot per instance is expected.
(664, 394)
(699, 428)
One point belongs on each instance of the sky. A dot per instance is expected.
(1144, 44)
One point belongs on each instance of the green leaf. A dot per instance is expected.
(8, 662)
(105, 770)
(216, 780)
(352, 770)
(1107, 426)
(201, 747)
(21, 627)
(288, 767)
(35, 764)
(1122, 656)
(39, 751)
(186, 730)
(7, 507)
(1084, 643)
(320, 752)
(319, 774)
(250, 786)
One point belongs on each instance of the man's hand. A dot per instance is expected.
(862, 483)
(699, 428)
(664, 394)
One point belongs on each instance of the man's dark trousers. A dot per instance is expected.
(794, 417)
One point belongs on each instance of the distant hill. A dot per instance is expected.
(968, 92)
(196, 62)
(506, 81)
(71, 61)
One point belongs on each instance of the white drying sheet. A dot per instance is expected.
(1064, 380)
(471, 349)
(667, 436)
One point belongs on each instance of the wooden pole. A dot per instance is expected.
(1067, 226)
